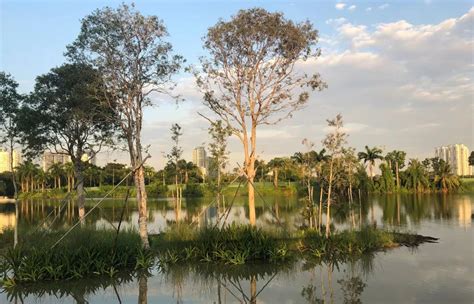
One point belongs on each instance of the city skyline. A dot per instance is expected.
(393, 89)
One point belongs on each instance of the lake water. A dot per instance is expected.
(431, 273)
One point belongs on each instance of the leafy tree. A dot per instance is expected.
(218, 147)
(471, 159)
(134, 60)
(333, 142)
(370, 156)
(396, 161)
(276, 164)
(416, 176)
(249, 78)
(176, 151)
(70, 117)
(174, 160)
(9, 108)
(444, 179)
(386, 179)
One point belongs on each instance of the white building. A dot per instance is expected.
(50, 158)
(457, 156)
(200, 159)
(5, 165)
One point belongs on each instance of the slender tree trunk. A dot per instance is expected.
(249, 169)
(79, 173)
(328, 215)
(136, 161)
(320, 217)
(142, 289)
(15, 187)
(396, 172)
(275, 178)
(251, 190)
(253, 290)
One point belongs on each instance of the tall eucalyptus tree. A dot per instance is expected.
(135, 61)
(251, 78)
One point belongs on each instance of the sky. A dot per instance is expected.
(400, 72)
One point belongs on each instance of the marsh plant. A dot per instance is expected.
(85, 253)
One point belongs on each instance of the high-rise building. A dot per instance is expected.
(50, 158)
(457, 156)
(5, 165)
(200, 159)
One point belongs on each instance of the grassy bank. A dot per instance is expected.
(89, 253)
(467, 184)
(160, 191)
(243, 244)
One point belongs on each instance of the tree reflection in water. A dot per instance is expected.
(351, 284)
(79, 290)
(221, 283)
(229, 281)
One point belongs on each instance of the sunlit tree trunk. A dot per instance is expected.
(253, 290)
(79, 173)
(328, 215)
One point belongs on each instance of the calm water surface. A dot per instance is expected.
(432, 273)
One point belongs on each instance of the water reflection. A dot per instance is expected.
(435, 273)
(387, 210)
(323, 283)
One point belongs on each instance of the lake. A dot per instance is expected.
(431, 273)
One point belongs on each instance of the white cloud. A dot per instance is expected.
(368, 9)
(352, 7)
(383, 6)
(336, 21)
(340, 6)
(397, 84)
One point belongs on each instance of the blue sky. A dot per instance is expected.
(354, 42)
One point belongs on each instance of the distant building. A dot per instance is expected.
(200, 159)
(457, 156)
(50, 158)
(5, 165)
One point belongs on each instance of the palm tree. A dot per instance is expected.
(26, 172)
(445, 179)
(56, 172)
(41, 178)
(416, 176)
(276, 164)
(396, 158)
(69, 171)
(370, 156)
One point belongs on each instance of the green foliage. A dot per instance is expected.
(193, 190)
(84, 253)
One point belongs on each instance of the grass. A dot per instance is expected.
(84, 253)
(94, 253)
(157, 190)
(467, 184)
(237, 245)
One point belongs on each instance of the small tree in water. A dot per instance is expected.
(250, 77)
(333, 142)
(174, 159)
(218, 147)
(134, 60)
